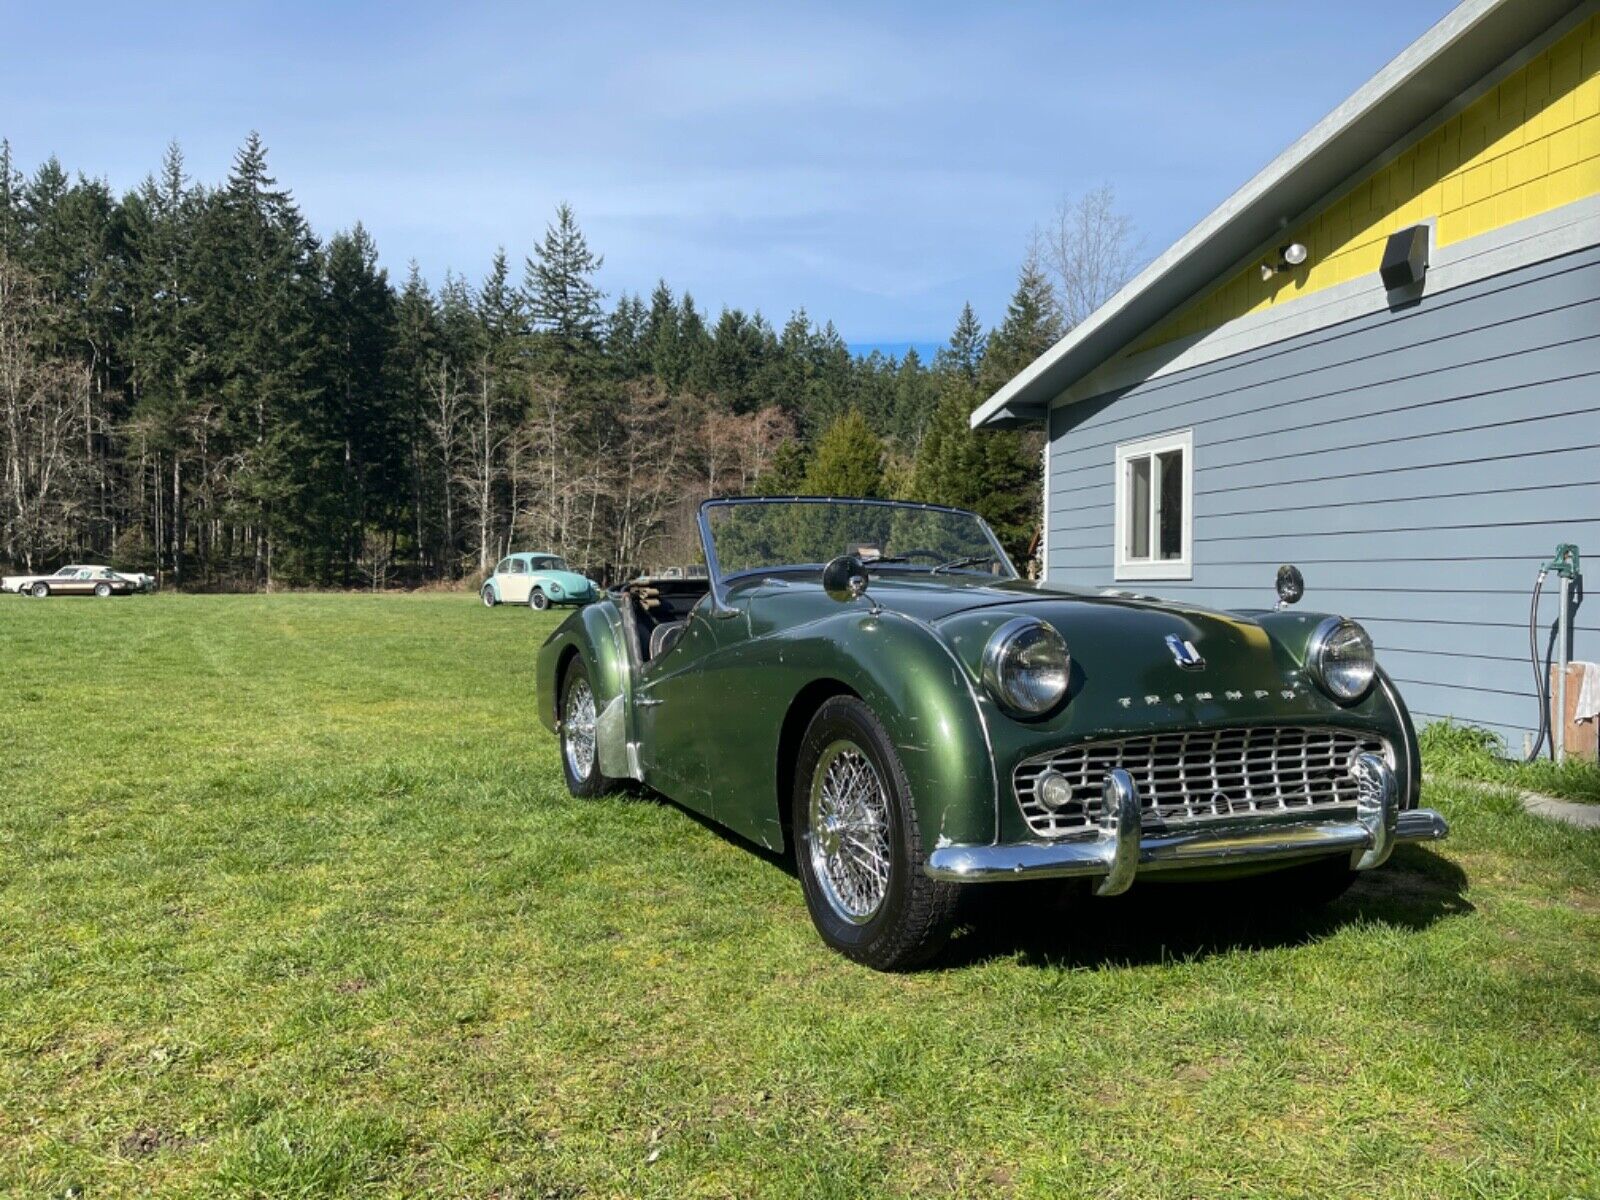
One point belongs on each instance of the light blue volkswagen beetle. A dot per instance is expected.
(537, 580)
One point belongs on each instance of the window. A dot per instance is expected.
(515, 566)
(1155, 507)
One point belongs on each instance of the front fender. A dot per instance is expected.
(903, 671)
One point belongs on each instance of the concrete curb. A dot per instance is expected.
(1584, 816)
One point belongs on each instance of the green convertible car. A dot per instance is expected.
(870, 684)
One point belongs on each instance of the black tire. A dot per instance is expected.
(102, 590)
(574, 687)
(912, 918)
(489, 600)
(41, 590)
(538, 600)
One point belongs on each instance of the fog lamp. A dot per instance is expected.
(1054, 790)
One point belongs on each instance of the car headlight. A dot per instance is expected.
(1340, 659)
(1026, 666)
(555, 588)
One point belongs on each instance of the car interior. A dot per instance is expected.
(659, 607)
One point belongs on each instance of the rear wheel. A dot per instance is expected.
(580, 758)
(488, 596)
(538, 600)
(41, 590)
(858, 845)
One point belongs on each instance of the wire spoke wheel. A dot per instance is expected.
(577, 729)
(849, 832)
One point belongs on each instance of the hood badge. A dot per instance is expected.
(1184, 653)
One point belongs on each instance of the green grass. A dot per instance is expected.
(1467, 752)
(293, 903)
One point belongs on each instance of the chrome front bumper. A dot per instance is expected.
(1123, 850)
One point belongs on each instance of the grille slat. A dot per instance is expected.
(1198, 774)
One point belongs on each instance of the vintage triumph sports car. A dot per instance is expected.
(77, 580)
(537, 580)
(871, 684)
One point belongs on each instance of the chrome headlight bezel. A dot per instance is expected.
(1325, 639)
(1002, 666)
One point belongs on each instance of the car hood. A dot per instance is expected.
(1118, 635)
(570, 581)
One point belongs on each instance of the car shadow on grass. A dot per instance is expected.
(1063, 925)
(1059, 923)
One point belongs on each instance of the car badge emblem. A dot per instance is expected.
(1184, 653)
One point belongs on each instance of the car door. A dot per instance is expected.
(519, 582)
(669, 707)
(80, 584)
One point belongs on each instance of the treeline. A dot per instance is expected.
(194, 384)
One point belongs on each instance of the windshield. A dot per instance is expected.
(755, 534)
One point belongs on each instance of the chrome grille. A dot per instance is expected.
(1193, 775)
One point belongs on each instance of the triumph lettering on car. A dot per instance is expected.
(870, 685)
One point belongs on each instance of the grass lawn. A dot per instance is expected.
(1464, 752)
(293, 903)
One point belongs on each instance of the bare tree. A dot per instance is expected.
(377, 556)
(648, 475)
(445, 418)
(43, 403)
(1091, 250)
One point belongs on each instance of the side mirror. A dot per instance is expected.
(845, 578)
(1291, 585)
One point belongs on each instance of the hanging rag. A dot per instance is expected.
(1588, 706)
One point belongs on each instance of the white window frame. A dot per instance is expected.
(1154, 568)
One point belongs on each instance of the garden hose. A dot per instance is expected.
(1540, 682)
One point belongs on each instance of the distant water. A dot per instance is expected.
(925, 350)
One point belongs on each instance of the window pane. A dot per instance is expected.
(1171, 539)
(1138, 519)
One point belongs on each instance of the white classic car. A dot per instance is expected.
(79, 579)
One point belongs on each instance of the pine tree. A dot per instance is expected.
(785, 474)
(360, 407)
(964, 353)
(848, 460)
(1032, 325)
(563, 298)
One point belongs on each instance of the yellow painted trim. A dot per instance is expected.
(1526, 146)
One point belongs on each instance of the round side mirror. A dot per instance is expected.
(844, 578)
(1291, 585)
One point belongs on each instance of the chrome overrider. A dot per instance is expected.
(1122, 849)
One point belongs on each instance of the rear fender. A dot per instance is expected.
(593, 633)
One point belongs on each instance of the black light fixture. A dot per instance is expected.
(1289, 256)
(1405, 258)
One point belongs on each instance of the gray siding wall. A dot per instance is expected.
(1418, 465)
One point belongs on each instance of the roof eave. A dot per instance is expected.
(1466, 44)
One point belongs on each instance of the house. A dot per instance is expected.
(1379, 360)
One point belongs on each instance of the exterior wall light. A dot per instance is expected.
(1291, 255)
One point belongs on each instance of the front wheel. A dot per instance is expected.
(580, 758)
(41, 590)
(488, 597)
(102, 590)
(538, 600)
(858, 846)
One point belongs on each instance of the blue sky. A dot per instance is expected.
(877, 164)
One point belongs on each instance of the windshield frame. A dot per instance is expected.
(719, 582)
